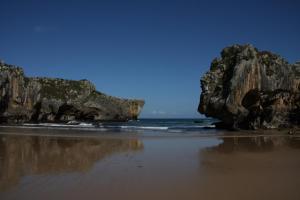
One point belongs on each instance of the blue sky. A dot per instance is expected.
(153, 50)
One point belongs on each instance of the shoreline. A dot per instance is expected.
(99, 133)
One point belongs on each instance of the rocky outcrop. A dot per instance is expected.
(24, 99)
(249, 89)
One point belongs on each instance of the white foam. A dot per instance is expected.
(146, 127)
(193, 127)
(86, 124)
(60, 125)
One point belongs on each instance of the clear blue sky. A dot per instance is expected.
(155, 50)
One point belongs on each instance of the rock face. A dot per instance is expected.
(24, 99)
(251, 89)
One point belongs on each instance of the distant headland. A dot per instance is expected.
(24, 99)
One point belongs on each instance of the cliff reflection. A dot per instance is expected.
(251, 168)
(255, 144)
(29, 155)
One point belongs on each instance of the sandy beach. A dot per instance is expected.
(149, 100)
(88, 166)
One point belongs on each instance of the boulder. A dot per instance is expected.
(251, 89)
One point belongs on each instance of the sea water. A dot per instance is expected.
(161, 125)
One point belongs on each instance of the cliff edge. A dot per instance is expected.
(251, 89)
(24, 99)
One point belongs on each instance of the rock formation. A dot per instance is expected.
(24, 99)
(249, 89)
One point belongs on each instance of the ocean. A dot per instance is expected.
(161, 125)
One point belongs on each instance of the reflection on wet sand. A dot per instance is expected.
(30, 155)
(255, 144)
(251, 168)
(168, 167)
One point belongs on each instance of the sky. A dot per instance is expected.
(152, 50)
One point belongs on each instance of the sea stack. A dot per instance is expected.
(251, 89)
(25, 99)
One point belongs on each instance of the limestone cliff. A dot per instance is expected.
(24, 99)
(247, 88)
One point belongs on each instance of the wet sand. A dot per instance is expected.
(41, 166)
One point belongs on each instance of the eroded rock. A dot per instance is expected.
(249, 89)
(24, 99)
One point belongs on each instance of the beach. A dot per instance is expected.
(68, 164)
(149, 100)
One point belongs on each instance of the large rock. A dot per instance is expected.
(24, 99)
(251, 89)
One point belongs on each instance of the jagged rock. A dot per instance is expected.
(251, 89)
(24, 99)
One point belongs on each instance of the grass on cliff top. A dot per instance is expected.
(62, 89)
